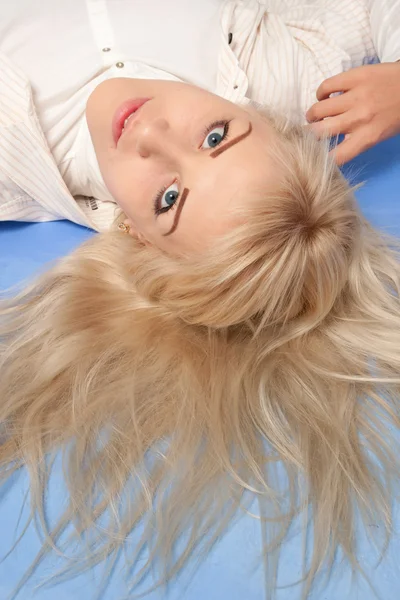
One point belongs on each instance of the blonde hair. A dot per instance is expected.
(174, 387)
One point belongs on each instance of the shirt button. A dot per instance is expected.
(230, 37)
(106, 49)
(120, 65)
(235, 87)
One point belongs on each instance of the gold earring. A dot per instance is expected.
(124, 228)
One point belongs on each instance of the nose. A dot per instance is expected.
(152, 138)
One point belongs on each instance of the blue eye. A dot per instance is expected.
(214, 138)
(166, 198)
(215, 134)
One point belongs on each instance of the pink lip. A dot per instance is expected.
(122, 113)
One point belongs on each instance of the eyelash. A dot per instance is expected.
(224, 123)
(157, 200)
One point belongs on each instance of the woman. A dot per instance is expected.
(251, 319)
(275, 53)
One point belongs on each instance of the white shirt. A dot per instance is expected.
(54, 53)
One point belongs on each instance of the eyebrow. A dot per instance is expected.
(185, 194)
(214, 154)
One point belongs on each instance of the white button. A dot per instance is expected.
(106, 49)
(119, 65)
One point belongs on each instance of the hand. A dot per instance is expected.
(367, 112)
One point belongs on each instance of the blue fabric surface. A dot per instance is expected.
(233, 570)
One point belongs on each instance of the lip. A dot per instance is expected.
(122, 113)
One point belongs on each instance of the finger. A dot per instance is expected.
(339, 83)
(333, 126)
(351, 147)
(329, 108)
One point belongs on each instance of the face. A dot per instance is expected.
(184, 161)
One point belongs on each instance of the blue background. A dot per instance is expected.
(233, 570)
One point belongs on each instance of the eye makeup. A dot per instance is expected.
(223, 123)
(232, 142)
(158, 209)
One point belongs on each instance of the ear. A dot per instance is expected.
(133, 231)
(131, 228)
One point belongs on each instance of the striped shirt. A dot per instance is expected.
(275, 52)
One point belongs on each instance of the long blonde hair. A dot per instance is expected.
(174, 387)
